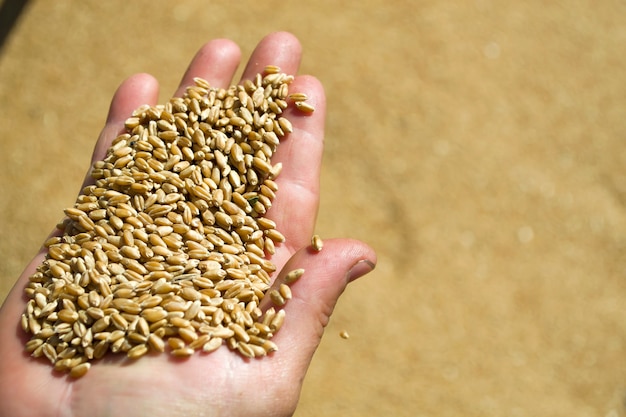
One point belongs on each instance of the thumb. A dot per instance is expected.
(315, 294)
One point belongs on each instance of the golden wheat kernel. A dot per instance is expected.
(40, 300)
(179, 321)
(68, 316)
(232, 343)
(116, 222)
(277, 298)
(298, 96)
(245, 349)
(267, 192)
(232, 249)
(137, 351)
(294, 275)
(154, 314)
(276, 170)
(262, 328)
(275, 235)
(271, 69)
(152, 266)
(131, 252)
(62, 365)
(40, 351)
(151, 302)
(234, 291)
(212, 345)
(277, 321)
(281, 103)
(87, 338)
(57, 271)
(100, 349)
(34, 326)
(344, 334)
(143, 328)
(265, 201)
(175, 343)
(191, 294)
(305, 107)
(259, 351)
(95, 313)
(219, 331)
(136, 338)
(271, 139)
(159, 327)
(33, 344)
(214, 274)
(101, 324)
(188, 334)
(176, 259)
(194, 310)
(217, 318)
(260, 273)
(268, 266)
(182, 352)
(270, 346)
(263, 166)
(239, 332)
(79, 370)
(198, 254)
(316, 243)
(119, 321)
(74, 213)
(223, 220)
(199, 341)
(285, 291)
(65, 352)
(94, 298)
(155, 343)
(123, 292)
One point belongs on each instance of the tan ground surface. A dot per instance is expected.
(478, 146)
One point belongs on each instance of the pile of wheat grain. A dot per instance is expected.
(166, 250)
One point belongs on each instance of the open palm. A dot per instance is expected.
(223, 382)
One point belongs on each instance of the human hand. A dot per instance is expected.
(222, 382)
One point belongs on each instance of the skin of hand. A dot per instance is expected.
(222, 382)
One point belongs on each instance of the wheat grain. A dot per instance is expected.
(168, 246)
(79, 370)
(277, 298)
(294, 275)
(305, 107)
(316, 243)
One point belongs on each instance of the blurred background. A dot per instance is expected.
(478, 146)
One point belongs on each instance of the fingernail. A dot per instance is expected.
(359, 269)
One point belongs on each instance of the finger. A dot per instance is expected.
(295, 208)
(215, 62)
(135, 91)
(315, 294)
(300, 152)
(279, 48)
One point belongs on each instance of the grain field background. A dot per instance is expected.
(478, 146)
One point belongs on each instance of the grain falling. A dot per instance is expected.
(165, 250)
